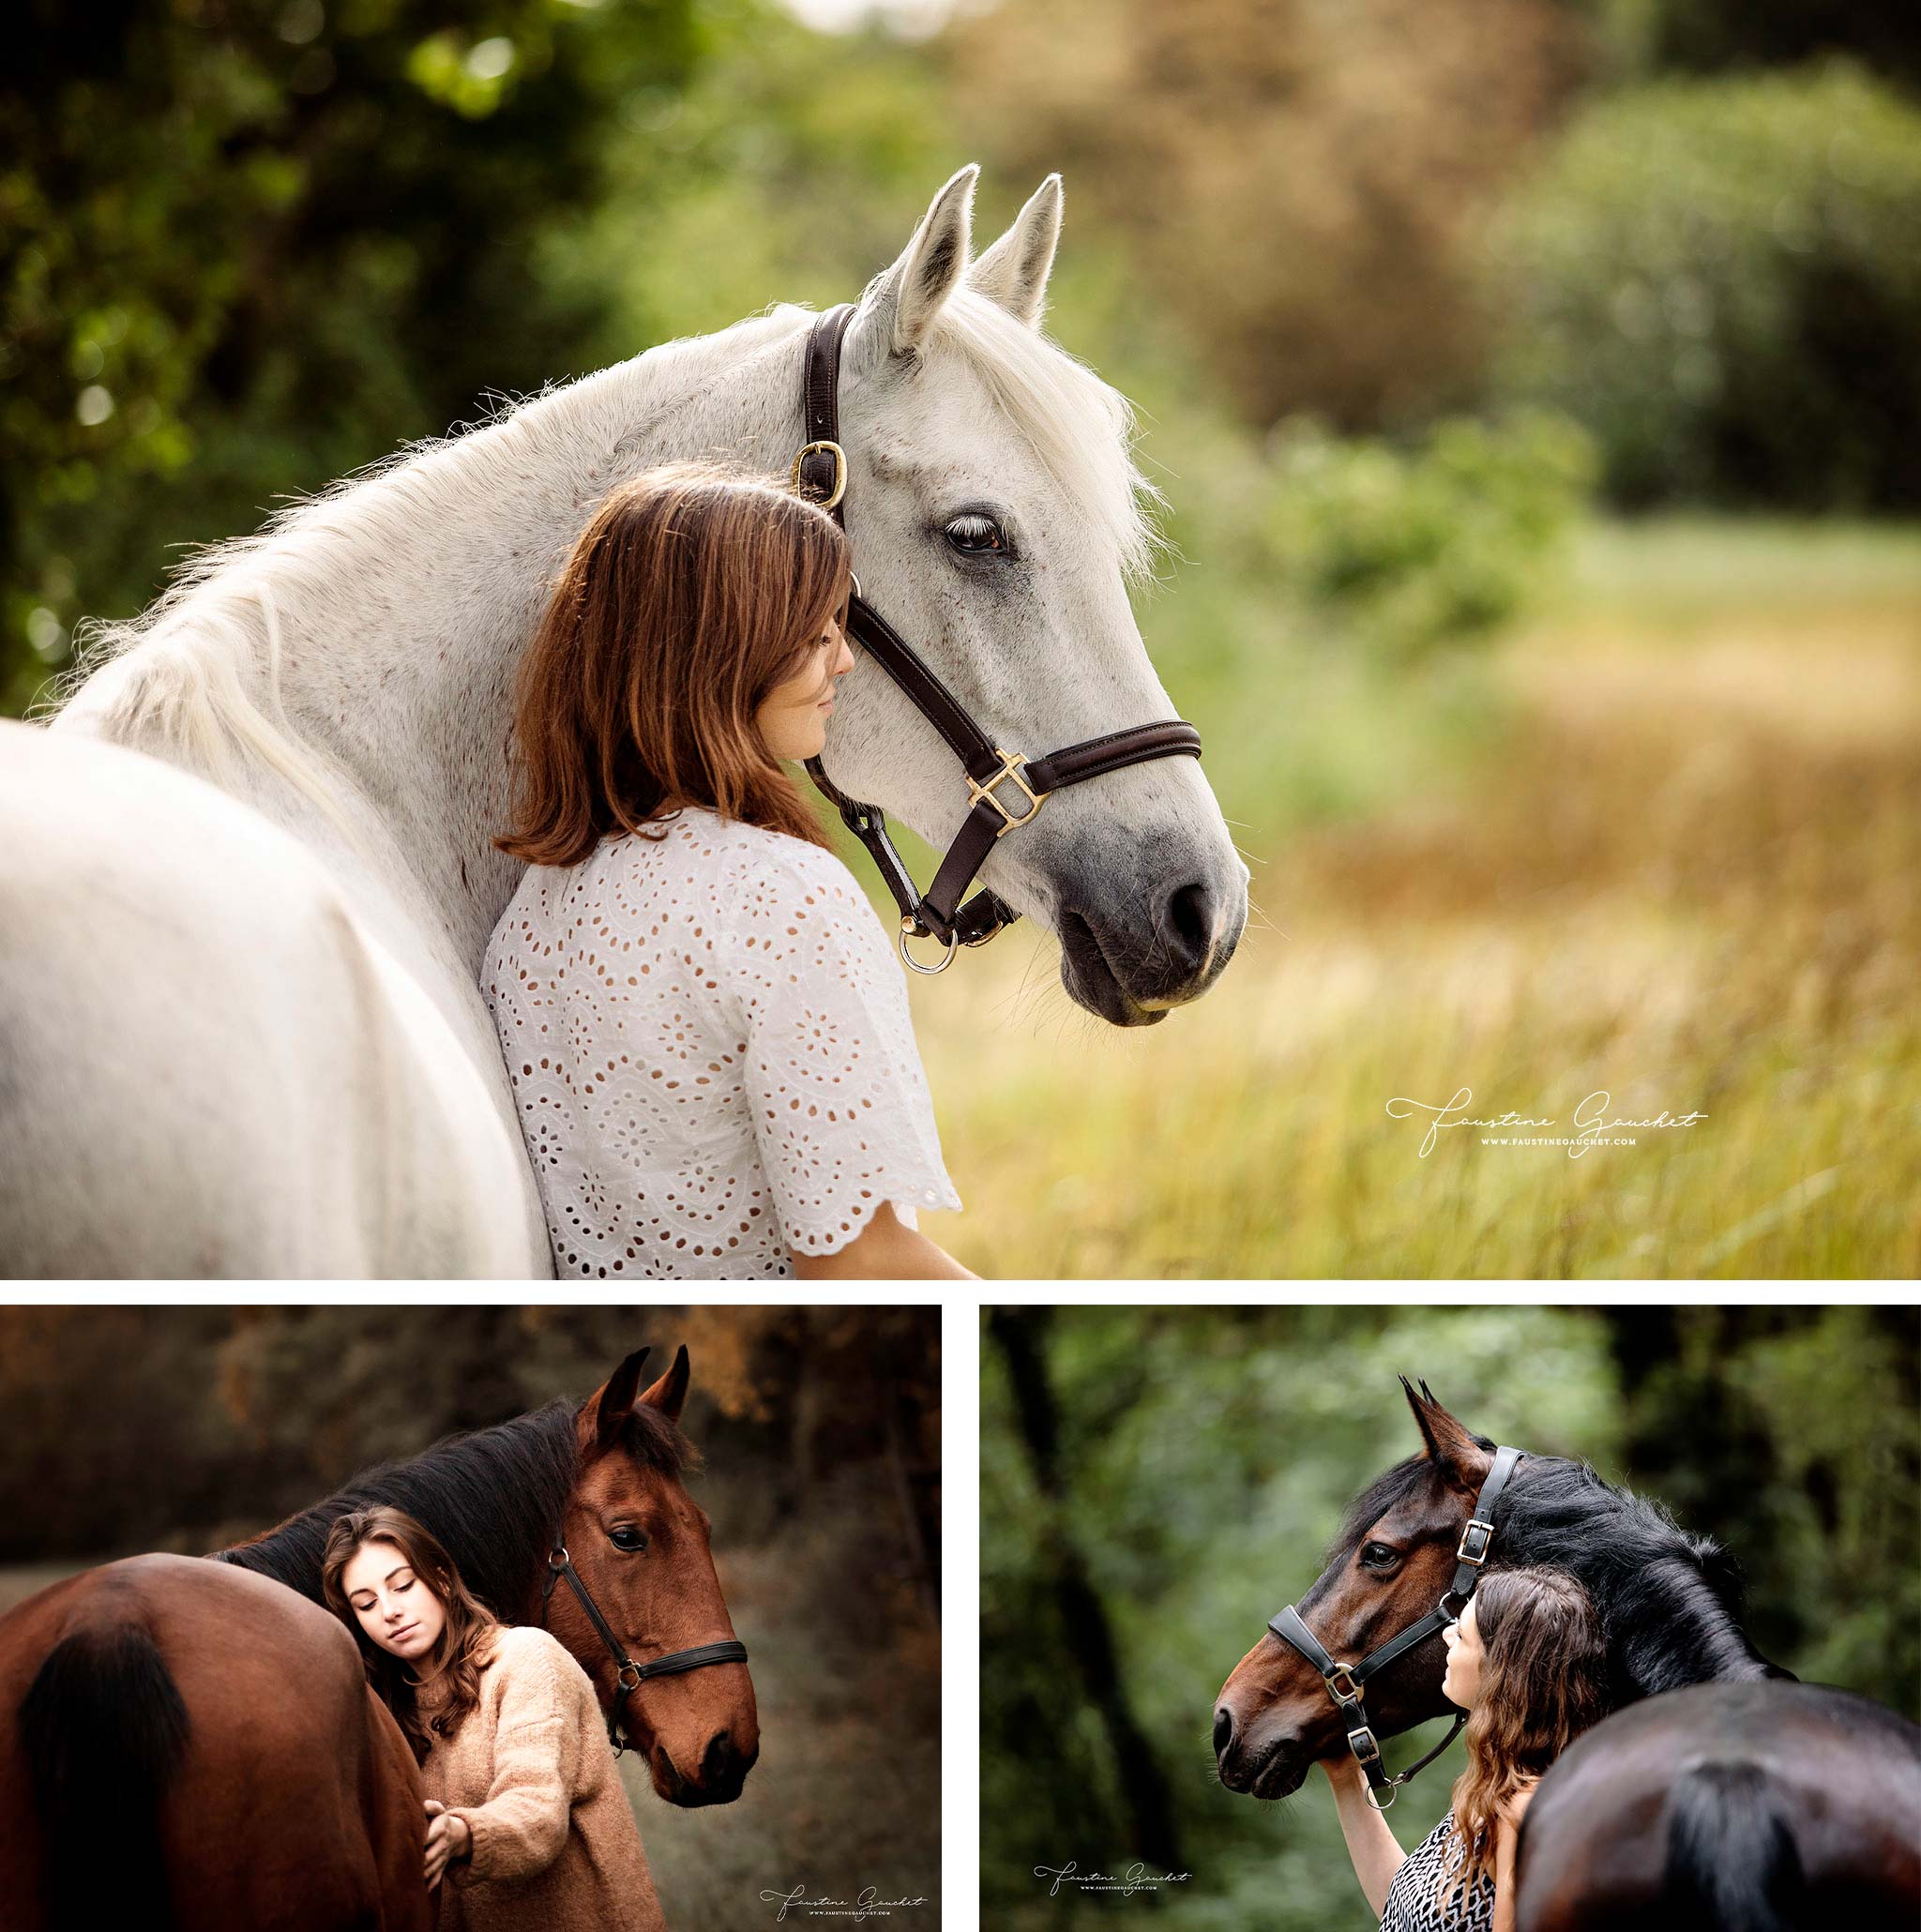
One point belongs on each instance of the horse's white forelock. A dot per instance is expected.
(1081, 428)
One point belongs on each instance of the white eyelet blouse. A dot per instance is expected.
(712, 1056)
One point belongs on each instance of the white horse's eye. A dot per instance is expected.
(975, 535)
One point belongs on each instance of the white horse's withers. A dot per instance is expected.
(248, 875)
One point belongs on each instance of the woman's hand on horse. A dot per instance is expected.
(447, 1838)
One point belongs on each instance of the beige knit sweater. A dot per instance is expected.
(555, 1846)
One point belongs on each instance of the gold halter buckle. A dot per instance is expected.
(839, 456)
(1006, 775)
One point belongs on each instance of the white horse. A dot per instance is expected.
(247, 878)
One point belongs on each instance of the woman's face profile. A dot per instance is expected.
(396, 1607)
(793, 717)
(1462, 1683)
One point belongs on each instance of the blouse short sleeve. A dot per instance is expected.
(841, 1114)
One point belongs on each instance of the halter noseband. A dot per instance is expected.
(1347, 1683)
(820, 474)
(629, 1675)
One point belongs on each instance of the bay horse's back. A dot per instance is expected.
(1729, 1807)
(185, 1747)
(206, 1065)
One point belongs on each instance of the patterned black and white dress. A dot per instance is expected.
(1415, 1902)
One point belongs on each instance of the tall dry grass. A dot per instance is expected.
(1680, 864)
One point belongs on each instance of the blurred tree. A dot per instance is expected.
(1712, 36)
(1292, 180)
(247, 246)
(133, 1428)
(1720, 280)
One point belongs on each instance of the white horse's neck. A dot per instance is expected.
(386, 622)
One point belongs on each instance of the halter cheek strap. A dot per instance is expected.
(1347, 1683)
(629, 1675)
(1005, 789)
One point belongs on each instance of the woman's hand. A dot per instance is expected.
(447, 1838)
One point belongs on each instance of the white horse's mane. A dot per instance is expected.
(206, 685)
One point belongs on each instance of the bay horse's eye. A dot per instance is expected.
(975, 534)
(1377, 1556)
(626, 1537)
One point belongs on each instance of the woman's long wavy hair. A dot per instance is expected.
(688, 598)
(463, 1644)
(1544, 1680)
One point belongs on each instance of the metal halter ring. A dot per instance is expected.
(839, 456)
(1392, 1788)
(911, 928)
(620, 1676)
(559, 1551)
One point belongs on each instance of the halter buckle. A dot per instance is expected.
(911, 928)
(1474, 1549)
(984, 788)
(823, 447)
(1361, 1742)
(1343, 1675)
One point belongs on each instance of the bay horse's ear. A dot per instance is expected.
(611, 1404)
(1013, 273)
(1451, 1445)
(669, 1392)
(901, 302)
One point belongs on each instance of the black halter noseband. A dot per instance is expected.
(820, 473)
(1347, 1683)
(629, 1675)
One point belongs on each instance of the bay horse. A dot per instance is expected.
(1720, 1780)
(212, 1711)
(247, 876)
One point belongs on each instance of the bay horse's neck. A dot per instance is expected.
(1666, 1598)
(495, 1498)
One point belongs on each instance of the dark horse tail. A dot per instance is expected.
(1732, 1862)
(103, 1729)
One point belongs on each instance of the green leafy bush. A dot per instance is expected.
(1722, 280)
(1414, 545)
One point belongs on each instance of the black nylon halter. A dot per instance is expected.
(629, 1675)
(1347, 1683)
(820, 474)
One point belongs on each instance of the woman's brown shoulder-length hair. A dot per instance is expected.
(1544, 1680)
(688, 598)
(465, 1643)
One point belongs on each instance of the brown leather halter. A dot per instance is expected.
(820, 473)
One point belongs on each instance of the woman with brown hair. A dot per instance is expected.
(1528, 1662)
(707, 1034)
(528, 1822)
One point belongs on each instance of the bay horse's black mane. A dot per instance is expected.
(494, 1496)
(1670, 1603)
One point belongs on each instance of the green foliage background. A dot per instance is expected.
(1205, 1456)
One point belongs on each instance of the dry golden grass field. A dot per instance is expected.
(1672, 857)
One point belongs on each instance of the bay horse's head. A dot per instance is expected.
(994, 512)
(1392, 1561)
(639, 1542)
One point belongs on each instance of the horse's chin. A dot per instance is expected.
(1279, 1774)
(1091, 982)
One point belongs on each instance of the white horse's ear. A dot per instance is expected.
(901, 302)
(1013, 273)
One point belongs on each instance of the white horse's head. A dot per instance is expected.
(996, 516)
